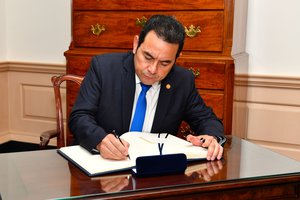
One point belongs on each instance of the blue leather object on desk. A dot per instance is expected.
(160, 165)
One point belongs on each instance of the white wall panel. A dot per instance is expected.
(273, 41)
(274, 123)
(38, 30)
(20, 122)
(36, 101)
(27, 105)
(2, 31)
(267, 112)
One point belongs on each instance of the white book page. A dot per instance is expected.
(146, 144)
(94, 163)
(139, 146)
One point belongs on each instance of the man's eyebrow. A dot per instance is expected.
(148, 54)
(152, 57)
(166, 61)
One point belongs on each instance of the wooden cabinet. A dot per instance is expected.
(119, 28)
(100, 26)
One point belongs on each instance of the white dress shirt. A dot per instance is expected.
(152, 98)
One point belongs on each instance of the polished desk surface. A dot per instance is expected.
(46, 175)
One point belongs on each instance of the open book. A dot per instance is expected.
(141, 144)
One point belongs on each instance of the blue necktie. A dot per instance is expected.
(140, 110)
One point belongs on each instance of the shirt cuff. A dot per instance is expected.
(220, 139)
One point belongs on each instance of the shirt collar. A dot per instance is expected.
(138, 81)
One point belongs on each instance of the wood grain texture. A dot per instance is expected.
(55, 177)
(148, 5)
(120, 28)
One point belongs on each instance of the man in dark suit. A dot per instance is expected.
(109, 93)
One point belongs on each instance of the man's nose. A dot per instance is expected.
(153, 67)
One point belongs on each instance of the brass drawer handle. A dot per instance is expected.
(196, 72)
(141, 22)
(97, 29)
(192, 31)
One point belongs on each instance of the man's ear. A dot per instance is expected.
(180, 54)
(135, 43)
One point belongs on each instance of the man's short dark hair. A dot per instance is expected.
(167, 28)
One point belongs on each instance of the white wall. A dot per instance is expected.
(2, 30)
(37, 30)
(273, 37)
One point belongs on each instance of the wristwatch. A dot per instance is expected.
(220, 139)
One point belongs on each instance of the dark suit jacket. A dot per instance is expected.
(106, 96)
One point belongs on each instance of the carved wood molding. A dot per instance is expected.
(267, 81)
(32, 67)
(3, 67)
(268, 90)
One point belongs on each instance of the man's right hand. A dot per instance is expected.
(111, 148)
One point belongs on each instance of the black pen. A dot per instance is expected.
(114, 132)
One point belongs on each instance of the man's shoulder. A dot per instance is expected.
(181, 71)
(112, 63)
(112, 56)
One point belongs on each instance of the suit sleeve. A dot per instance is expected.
(82, 121)
(200, 117)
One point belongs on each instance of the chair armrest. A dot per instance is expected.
(46, 136)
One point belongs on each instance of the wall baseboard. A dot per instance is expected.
(4, 137)
(22, 137)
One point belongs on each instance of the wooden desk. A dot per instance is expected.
(247, 172)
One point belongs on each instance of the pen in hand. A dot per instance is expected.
(114, 132)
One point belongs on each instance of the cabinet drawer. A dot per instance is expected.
(215, 101)
(147, 5)
(120, 28)
(211, 75)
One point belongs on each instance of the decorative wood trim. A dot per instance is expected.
(267, 81)
(4, 137)
(269, 90)
(32, 67)
(23, 137)
(3, 67)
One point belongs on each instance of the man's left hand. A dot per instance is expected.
(215, 150)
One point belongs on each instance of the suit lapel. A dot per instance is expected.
(164, 99)
(128, 91)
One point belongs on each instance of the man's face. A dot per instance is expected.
(154, 58)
